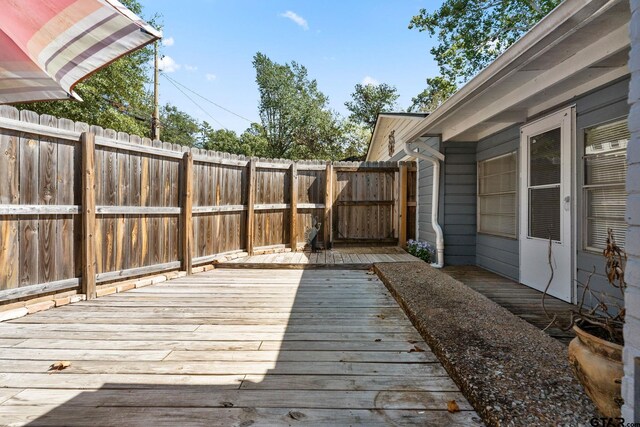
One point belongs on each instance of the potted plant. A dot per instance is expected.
(595, 354)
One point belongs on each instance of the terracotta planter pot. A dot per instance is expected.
(598, 365)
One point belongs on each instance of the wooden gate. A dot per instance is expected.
(366, 203)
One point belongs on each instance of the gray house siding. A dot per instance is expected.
(495, 253)
(604, 105)
(425, 192)
(458, 192)
(500, 254)
(459, 213)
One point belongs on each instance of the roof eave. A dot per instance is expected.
(576, 10)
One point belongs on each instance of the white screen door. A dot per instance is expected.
(546, 204)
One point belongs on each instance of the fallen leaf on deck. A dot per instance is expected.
(416, 349)
(296, 415)
(452, 406)
(381, 316)
(60, 365)
(378, 340)
(227, 404)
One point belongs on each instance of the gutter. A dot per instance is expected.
(435, 157)
(565, 19)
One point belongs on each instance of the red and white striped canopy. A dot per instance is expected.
(47, 46)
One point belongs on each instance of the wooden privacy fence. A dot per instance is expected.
(81, 205)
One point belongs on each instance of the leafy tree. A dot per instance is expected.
(355, 140)
(472, 33)
(114, 97)
(250, 143)
(438, 90)
(254, 141)
(178, 127)
(296, 121)
(370, 100)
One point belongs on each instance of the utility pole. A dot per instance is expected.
(155, 119)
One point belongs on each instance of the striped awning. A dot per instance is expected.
(47, 46)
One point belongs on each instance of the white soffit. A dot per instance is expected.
(402, 123)
(578, 47)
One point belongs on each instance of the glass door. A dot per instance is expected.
(546, 205)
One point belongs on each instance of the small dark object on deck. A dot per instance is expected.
(312, 234)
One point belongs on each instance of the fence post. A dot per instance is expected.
(328, 206)
(402, 234)
(251, 184)
(294, 207)
(88, 215)
(186, 217)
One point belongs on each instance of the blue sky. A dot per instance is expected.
(209, 46)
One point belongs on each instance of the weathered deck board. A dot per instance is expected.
(519, 299)
(51, 415)
(347, 257)
(228, 347)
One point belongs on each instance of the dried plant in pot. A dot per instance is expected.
(595, 354)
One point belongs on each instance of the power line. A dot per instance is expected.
(206, 99)
(192, 100)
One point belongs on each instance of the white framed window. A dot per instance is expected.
(497, 196)
(605, 171)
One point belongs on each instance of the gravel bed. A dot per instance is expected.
(512, 373)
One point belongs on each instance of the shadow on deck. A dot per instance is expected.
(519, 299)
(228, 347)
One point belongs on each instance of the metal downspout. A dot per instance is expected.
(435, 158)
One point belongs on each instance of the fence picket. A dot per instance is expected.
(234, 203)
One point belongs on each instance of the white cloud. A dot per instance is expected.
(368, 80)
(188, 67)
(210, 77)
(296, 18)
(169, 41)
(168, 64)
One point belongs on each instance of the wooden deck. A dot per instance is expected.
(519, 299)
(228, 347)
(344, 258)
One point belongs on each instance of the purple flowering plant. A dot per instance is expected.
(420, 249)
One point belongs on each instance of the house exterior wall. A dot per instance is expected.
(631, 354)
(459, 207)
(496, 253)
(501, 254)
(604, 105)
(463, 245)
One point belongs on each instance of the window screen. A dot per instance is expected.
(605, 170)
(497, 207)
